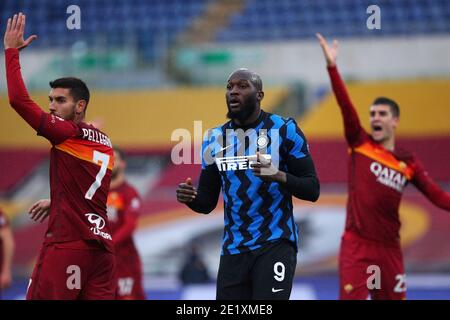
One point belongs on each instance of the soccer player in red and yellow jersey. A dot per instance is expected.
(378, 174)
(123, 206)
(77, 257)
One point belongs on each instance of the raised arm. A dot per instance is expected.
(354, 132)
(429, 188)
(54, 129)
(17, 92)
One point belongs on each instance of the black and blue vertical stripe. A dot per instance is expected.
(256, 212)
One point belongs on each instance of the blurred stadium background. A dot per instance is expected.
(154, 66)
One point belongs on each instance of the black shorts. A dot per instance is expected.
(262, 274)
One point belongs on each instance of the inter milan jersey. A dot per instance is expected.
(256, 212)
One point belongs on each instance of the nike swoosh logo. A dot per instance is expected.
(276, 290)
(224, 148)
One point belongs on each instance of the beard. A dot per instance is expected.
(69, 116)
(246, 110)
(72, 115)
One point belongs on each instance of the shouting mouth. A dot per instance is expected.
(376, 128)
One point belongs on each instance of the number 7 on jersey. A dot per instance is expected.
(104, 159)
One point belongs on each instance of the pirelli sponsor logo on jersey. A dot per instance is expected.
(237, 145)
(238, 163)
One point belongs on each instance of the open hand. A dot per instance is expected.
(14, 33)
(40, 210)
(329, 53)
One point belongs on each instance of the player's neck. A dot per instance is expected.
(253, 117)
(78, 118)
(117, 181)
(389, 144)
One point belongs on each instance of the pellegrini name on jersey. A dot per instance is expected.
(96, 136)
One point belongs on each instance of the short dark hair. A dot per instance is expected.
(391, 103)
(78, 88)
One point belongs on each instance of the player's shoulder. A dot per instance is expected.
(213, 133)
(130, 189)
(96, 136)
(132, 195)
(277, 121)
(88, 126)
(405, 155)
(280, 121)
(287, 126)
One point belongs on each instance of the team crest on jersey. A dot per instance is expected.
(98, 224)
(389, 177)
(263, 139)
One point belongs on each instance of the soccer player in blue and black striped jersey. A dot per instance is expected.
(259, 160)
